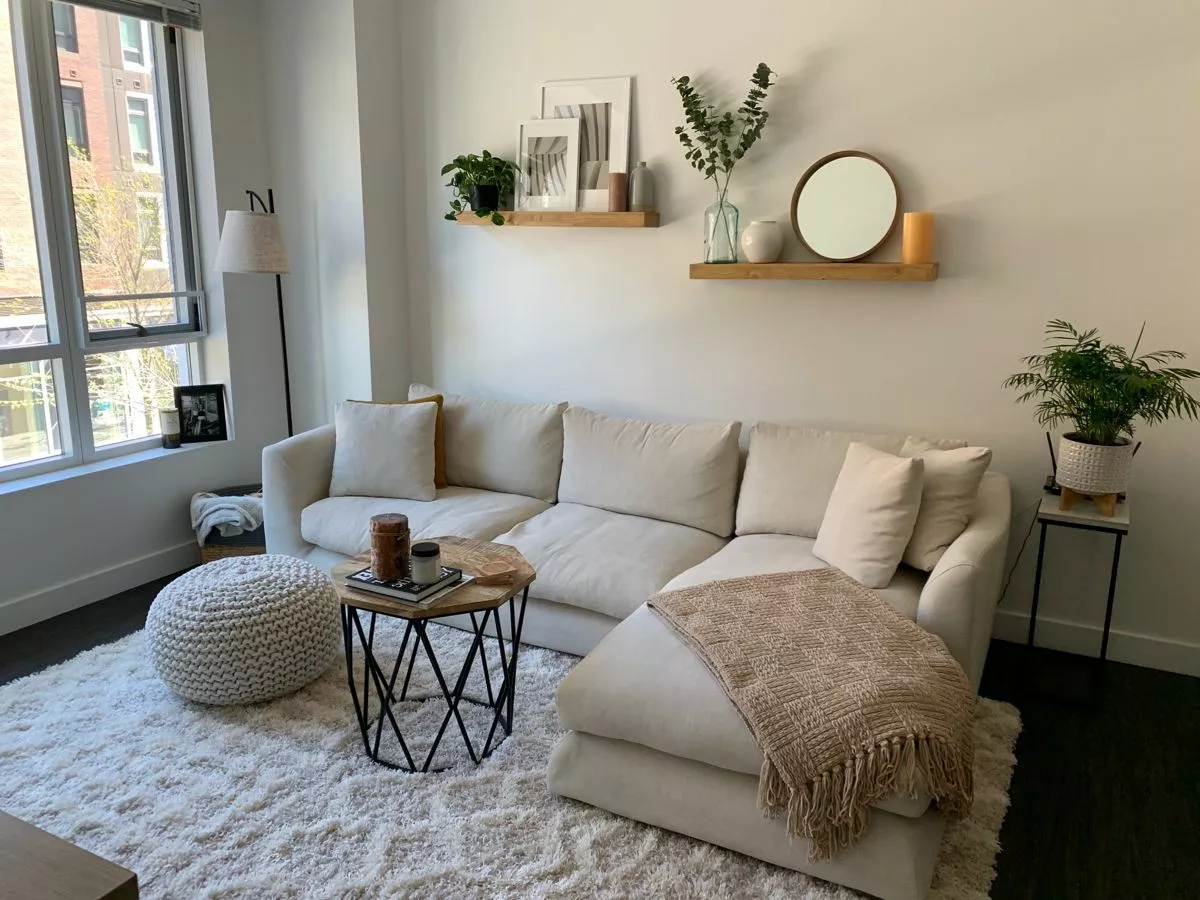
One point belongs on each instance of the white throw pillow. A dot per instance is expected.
(384, 450)
(951, 484)
(684, 473)
(871, 514)
(494, 445)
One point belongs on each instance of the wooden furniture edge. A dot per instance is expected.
(566, 219)
(814, 271)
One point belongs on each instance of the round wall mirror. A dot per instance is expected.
(845, 206)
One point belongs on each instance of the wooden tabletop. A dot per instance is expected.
(459, 553)
(36, 865)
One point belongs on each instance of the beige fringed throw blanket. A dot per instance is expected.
(850, 702)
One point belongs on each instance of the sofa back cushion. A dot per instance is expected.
(683, 473)
(494, 445)
(790, 474)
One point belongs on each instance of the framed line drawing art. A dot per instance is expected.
(603, 107)
(547, 167)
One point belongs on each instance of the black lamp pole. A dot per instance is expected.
(269, 207)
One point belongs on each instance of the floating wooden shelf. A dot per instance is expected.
(815, 271)
(580, 219)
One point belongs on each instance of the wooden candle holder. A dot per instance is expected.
(390, 545)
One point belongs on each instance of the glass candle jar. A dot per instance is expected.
(426, 562)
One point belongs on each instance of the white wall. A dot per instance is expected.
(324, 61)
(80, 537)
(1054, 146)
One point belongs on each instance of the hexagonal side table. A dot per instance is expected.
(480, 603)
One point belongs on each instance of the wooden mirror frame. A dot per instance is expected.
(812, 170)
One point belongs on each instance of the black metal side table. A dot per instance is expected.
(1085, 518)
(482, 605)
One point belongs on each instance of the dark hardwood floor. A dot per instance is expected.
(1106, 793)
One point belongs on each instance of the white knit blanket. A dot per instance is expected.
(231, 516)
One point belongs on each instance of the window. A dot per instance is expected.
(74, 119)
(141, 146)
(151, 234)
(64, 27)
(100, 305)
(133, 42)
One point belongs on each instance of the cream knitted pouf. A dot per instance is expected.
(244, 629)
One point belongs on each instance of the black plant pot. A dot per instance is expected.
(485, 196)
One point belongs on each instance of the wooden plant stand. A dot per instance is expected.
(1106, 504)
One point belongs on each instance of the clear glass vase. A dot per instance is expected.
(721, 233)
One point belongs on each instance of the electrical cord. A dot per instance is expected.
(1021, 551)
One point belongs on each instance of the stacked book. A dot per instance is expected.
(408, 591)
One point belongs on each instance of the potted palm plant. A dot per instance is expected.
(479, 182)
(1102, 389)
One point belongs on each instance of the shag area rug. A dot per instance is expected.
(279, 800)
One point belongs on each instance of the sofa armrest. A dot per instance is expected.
(296, 474)
(958, 602)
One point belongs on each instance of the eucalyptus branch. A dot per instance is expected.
(713, 141)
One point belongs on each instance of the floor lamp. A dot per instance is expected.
(252, 243)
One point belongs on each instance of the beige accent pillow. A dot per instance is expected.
(871, 514)
(952, 480)
(384, 450)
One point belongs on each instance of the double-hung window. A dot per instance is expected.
(100, 298)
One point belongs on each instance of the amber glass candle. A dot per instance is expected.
(918, 237)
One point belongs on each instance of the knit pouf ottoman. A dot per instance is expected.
(244, 629)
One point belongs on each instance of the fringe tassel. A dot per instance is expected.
(831, 810)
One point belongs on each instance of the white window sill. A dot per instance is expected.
(101, 465)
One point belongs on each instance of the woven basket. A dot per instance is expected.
(1093, 468)
(248, 543)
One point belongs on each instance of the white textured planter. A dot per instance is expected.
(762, 242)
(1093, 468)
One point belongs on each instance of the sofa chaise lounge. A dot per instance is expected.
(610, 511)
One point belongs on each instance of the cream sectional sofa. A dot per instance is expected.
(610, 511)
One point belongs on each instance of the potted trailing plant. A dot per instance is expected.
(1101, 388)
(481, 182)
(714, 142)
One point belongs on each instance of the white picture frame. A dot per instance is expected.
(604, 108)
(547, 169)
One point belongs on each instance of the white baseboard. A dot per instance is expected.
(33, 608)
(1123, 646)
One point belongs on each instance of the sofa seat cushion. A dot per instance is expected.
(760, 554)
(604, 561)
(343, 524)
(643, 685)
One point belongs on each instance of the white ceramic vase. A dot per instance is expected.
(762, 242)
(1093, 468)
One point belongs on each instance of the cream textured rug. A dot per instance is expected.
(279, 800)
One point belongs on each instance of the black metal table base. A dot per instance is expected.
(377, 682)
(1112, 581)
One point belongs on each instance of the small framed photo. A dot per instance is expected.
(547, 164)
(201, 413)
(603, 107)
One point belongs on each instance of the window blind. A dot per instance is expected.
(185, 13)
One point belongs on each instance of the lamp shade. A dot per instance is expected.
(252, 242)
